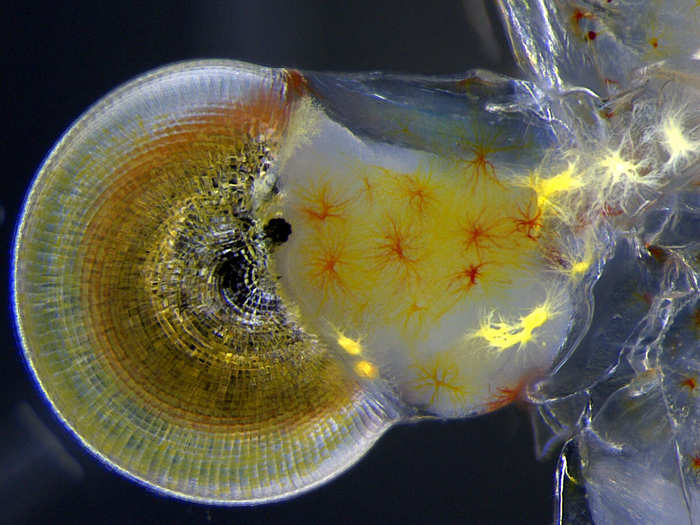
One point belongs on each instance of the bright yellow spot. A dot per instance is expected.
(547, 188)
(564, 181)
(366, 369)
(351, 346)
(502, 335)
(617, 168)
(675, 141)
(580, 267)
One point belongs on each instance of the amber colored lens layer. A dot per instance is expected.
(147, 309)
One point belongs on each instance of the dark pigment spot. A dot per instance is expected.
(278, 230)
(236, 276)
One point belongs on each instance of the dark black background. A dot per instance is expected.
(57, 60)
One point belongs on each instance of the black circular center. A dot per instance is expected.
(278, 230)
(236, 276)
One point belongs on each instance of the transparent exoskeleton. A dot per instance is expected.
(230, 280)
(626, 397)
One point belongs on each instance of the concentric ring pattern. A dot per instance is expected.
(148, 306)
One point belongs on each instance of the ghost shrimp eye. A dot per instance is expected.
(228, 291)
(148, 303)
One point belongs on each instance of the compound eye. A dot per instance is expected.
(229, 288)
(149, 307)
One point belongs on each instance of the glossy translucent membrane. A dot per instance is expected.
(230, 280)
(627, 398)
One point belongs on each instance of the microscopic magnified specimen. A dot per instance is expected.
(231, 280)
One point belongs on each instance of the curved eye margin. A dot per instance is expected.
(34, 198)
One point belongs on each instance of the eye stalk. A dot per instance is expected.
(244, 294)
(230, 281)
